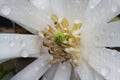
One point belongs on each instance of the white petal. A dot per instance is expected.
(103, 13)
(63, 72)
(105, 61)
(24, 13)
(107, 35)
(87, 73)
(71, 9)
(43, 4)
(49, 75)
(35, 70)
(16, 45)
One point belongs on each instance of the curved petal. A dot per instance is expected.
(71, 9)
(49, 75)
(35, 70)
(24, 13)
(103, 13)
(63, 72)
(45, 5)
(106, 62)
(107, 35)
(87, 73)
(16, 45)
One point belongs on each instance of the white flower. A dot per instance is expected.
(98, 63)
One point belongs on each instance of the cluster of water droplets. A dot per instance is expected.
(17, 42)
(5, 9)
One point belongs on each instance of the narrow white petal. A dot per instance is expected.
(106, 62)
(103, 13)
(107, 35)
(43, 4)
(35, 70)
(63, 72)
(85, 72)
(49, 75)
(24, 13)
(71, 9)
(16, 45)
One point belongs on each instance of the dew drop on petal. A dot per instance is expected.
(22, 43)
(36, 79)
(45, 78)
(24, 53)
(42, 64)
(5, 10)
(86, 76)
(92, 6)
(5, 37)
(63, 67)
(11, 43)
(114, 9)
(17, 37)
(105, 72)
(36, 69)
(49, 65)
(118, 69)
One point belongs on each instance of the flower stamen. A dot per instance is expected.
(62, 41)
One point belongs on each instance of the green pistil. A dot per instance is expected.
(60, 38)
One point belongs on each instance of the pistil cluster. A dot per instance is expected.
(63, 41)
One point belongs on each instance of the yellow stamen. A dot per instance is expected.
(54, 17)
(62, 41)
(76, 26)
(57, 26)
(64, 23)
(50, 29)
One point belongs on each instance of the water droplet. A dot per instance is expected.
(5, 10)
(23, 43)
(68, 6)
(113, 53)
(63, 67)
(114, 8)
(118, 70)
(11, 43)
(24, 53)
(104, 60)
(36, 69)
(36, 79)
(43, 7)
(45, 78)
(49, 65)
(42, 64)
(5, 37)
(91, 6)
(105, 72)
(85, 76)
(17, 37)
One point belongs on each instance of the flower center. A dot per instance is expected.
(62, 41)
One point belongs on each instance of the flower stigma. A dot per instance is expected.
(62, 41)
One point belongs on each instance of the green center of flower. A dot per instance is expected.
(60, 38)
(63, 42)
